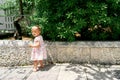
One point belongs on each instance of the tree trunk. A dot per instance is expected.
(18, 32)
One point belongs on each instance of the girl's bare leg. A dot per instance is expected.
(41, 63)
(35, 65)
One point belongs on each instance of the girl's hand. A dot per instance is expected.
(30, 45)
(35, 45)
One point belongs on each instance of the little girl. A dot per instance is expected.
(38, 48)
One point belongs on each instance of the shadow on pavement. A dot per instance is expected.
(47, 67)
(94, 72)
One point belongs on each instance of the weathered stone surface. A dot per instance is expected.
(88, 51)
(14, 53)
(17, 52)
(64, 71)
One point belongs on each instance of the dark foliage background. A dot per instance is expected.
(72, 20)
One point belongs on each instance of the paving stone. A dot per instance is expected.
(64, 71)
(16, 73)
(70, 72)
(49, 73)
(99, 73)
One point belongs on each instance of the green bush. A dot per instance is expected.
(61, 19)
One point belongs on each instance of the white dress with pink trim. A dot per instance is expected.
(39, 53)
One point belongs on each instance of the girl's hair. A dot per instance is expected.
(38, 27)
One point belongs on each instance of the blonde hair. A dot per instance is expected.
(39, 28)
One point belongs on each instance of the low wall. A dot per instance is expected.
(16, 52)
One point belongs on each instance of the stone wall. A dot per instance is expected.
(85, 52)
(16, 52)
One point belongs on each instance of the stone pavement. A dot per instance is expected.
(64, 71)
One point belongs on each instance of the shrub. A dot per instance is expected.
(61, 19)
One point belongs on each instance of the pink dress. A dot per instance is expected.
(39, 53)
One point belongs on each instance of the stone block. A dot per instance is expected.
(17, 52)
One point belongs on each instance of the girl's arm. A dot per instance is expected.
(35, 45)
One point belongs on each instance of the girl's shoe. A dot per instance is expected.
(35, 70)
(39, 67)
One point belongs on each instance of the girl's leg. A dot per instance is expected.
(41, 63)
(35, 65)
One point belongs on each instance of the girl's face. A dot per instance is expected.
(35, 31)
